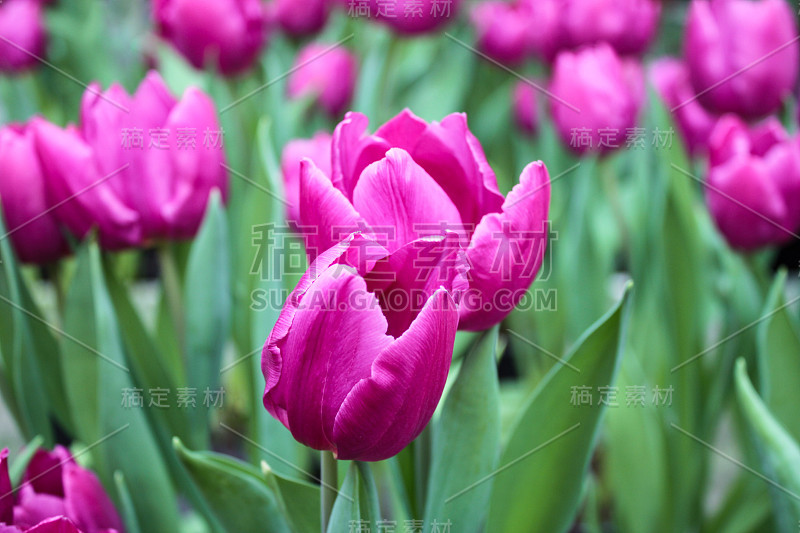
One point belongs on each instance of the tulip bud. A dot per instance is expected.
(753, 184)
(30, 223)
(56, 494)
(526, 113)
(317, 150)
(742, 54)
(503, 30)
(695, 123)
(326, 74)
(22, 29)
(301, 18)
(628, 26)
(227, 34)
(595, 98)
(412, 17)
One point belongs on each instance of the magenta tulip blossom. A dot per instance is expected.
(412, 179)
(227, 35)
(326, 74)
(318, 150)
(56, 496)
(742, 54)
(30, 223)
(22, 29)
(526, 113)
(412, 17)
(695, 123)
(596, 98)
(366, 394)
(628, 26)
(503, 30)
(138, 168)
(753, 183)
(301, 18)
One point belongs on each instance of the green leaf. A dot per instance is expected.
(779, 359)
(357, 501)
(552, 444)
(235, 492)
(98, 377)
(126, 507)
(781, 454)
(466, 438)
(299, 500)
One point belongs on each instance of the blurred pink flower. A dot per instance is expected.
(412, 17)
(318, 150)
(326, 74)
(301, 18)
(23, 34)
(526, 112)
(503, 29)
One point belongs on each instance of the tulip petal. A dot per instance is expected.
(33, 507)
(507, 250)
(388, 409)
(6, 490)
(86, 501)
(318, 150)
(401, 202)
(353, 150)
(55, 525)
(44, 471)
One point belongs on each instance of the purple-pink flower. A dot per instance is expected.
(412, 179)
(56, 496)
(412, 17)
(139, 168)
(753, 183)
(503, 30)
(301, 18)
(595, 98)
(325, 74)
(22, 29)
(742, 55)
(227, 35)
(526, 108)
(30, 223)
(317, 149)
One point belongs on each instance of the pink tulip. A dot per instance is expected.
(227, 34)
(503, 30)
(326, 74)
(56, 496)
(138, 168)
(695, 123)
(629, 26)
(595, 98)
(526, 113)
(753, 184)
(742, 54)
(412, 179)
(411, 17)
(23, 34)
(367, 394)
(30, 224)
(301, 18)
(318, 150)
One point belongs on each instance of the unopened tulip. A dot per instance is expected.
(413, 179)
(367, 394)
(753, 183)
(23, 37)
(301, 18)
(56, 496)
(526, 113)
(326, 74)
(503, 30)
(742, 54)
(225, 34)
(694, 122)
(414, 16)
(138, 168)
(629, 26)
(318, 150)
(595, 98)
(30, 223)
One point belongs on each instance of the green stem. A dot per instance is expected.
(330, 482)
(612, 190)
(172, 289)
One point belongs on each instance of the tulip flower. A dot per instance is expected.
(326, 74)
(595, 98)
(301, 18)
(318, 150)
(753, 183)
(56, 496)
(411, 17)
(695, 124)
(503, 30)
(227, 34)
(742, 54)
(138, 168)
(30, 223)
(526, 113)
(23, 35)
(367, 394)
(629, 26)
(412, 179)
